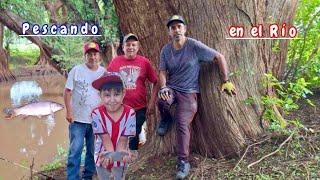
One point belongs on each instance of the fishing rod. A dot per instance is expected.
(24, 167)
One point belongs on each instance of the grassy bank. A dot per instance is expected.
(291, 155)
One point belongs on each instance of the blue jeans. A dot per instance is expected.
(77, 133)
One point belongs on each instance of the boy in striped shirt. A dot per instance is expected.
(112, 122)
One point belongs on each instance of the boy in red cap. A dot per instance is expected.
(80, 98)
(113, 123)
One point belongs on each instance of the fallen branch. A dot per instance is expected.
(282, 144)
(24, 167)
(245, 152)
(31, 169)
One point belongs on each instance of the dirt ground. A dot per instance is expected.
(298, 158)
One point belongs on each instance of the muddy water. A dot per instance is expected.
(22, 139)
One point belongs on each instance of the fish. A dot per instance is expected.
(39, 109)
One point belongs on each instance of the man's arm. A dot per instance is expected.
(67, 101)
(227, 86)
(222, 63)
(164, 93)
(162, 79)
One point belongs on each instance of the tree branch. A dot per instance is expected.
(268, 155)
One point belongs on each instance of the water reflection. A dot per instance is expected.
(33, 137)
(50, 123)
(25, 91)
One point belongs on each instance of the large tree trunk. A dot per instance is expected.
(14, 23)
(5, 73)
(223, 124)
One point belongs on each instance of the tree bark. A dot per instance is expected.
(5, 73)
(223, 124)
(14, 23)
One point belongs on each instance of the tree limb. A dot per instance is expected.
(270, 154)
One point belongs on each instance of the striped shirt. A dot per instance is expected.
(102, 123)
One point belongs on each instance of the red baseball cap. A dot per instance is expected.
(89, 46)
(107, 78)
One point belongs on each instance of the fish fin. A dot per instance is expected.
(34, 100)
(51, 114)
(24, 117)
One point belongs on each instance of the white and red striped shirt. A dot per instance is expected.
(102, 123)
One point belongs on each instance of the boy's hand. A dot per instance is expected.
(126, 158)
(130, 156)
(104, 159)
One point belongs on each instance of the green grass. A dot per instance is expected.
(23, 55)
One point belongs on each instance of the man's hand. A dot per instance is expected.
(69, 116)
(229, 88)
(164, 93)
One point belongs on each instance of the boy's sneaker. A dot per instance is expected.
(183, 169)
(164, 126)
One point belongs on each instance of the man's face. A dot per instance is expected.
(93, 59)
(177, 30)
(131, 48)
(112, 99)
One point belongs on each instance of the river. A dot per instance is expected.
(25, 138)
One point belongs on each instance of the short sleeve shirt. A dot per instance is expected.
(102, 123)
(84, 97)
(134, 73)
(183, 65)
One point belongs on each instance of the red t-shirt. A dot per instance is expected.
(134, 73)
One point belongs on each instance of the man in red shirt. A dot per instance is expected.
(135, 70)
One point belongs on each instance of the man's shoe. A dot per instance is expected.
(183, 169)
(163, 127)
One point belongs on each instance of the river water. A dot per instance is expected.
(25, 138)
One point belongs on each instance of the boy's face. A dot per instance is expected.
(93, 59)
(112, 99)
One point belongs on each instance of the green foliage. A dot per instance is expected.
(71, 51)
(24, 54)
(285, 98)
(26, 9)
(303, 55)
(59, 160)
(108, 20)
(67, 50)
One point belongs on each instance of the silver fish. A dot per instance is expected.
(41, 108)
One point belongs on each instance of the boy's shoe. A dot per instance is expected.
(183, 169)
(164, 126)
